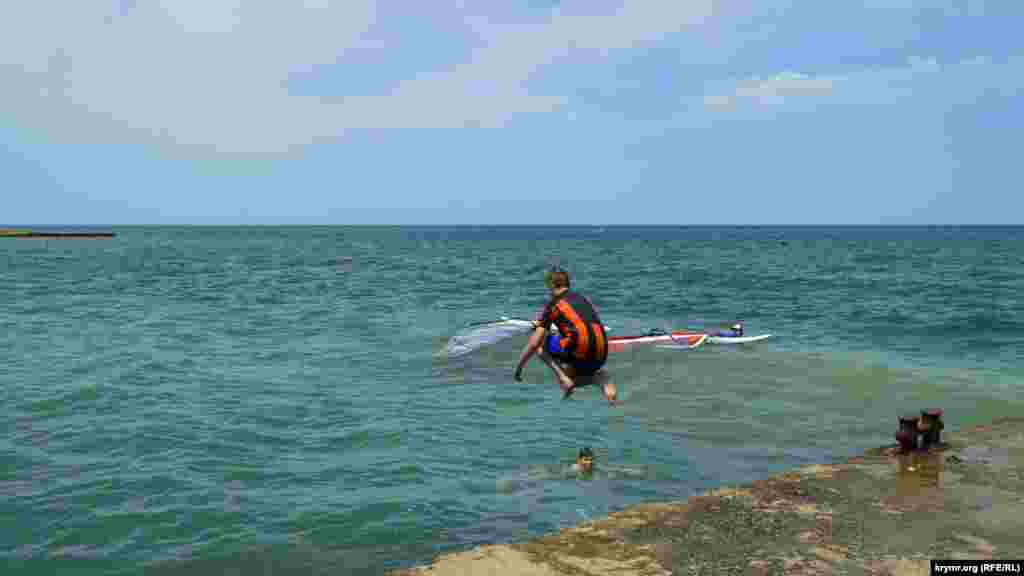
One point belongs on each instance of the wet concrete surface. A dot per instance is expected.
(879, 513)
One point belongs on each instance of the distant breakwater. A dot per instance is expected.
(53, 235)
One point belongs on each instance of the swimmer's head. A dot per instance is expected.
(585, 460)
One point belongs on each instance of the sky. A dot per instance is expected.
(593, 112)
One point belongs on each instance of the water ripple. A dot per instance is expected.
(198, 400)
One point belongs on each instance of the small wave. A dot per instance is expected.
(977, 326)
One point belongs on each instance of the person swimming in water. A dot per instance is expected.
(735, 332)
(584, 461)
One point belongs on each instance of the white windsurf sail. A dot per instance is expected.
(482, 334)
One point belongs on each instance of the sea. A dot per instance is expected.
(272, 400)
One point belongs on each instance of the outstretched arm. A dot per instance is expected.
(536, 338)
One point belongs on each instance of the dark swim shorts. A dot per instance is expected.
(583, 367)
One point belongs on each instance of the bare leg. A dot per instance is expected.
(604, 380)
(610, 393)
(564, 380)
(574, 381)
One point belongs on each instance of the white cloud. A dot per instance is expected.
(922, 79)
(785, 84)
(213, 73)
(770, 90)
(196, 73)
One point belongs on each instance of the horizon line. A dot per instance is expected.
(467, 225)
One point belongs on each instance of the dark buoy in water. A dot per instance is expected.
(931, 426)
(907, 434)
(920, 432)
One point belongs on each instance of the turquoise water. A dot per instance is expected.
(268, 400)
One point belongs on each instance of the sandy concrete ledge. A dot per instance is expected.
(879, 513)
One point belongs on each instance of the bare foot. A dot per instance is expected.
(610, 393)
(568, 387)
